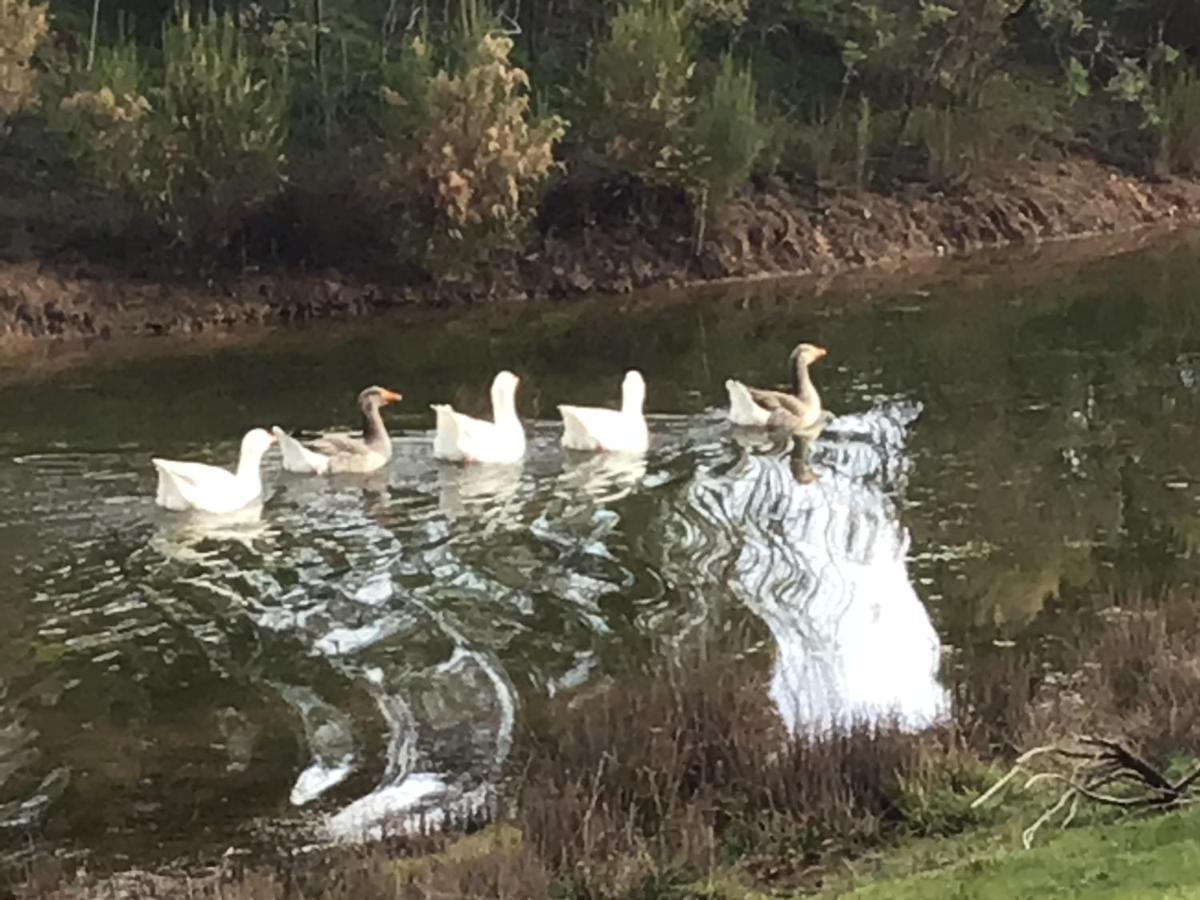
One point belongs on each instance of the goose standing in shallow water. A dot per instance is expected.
(190, 486)
(461, 438)
(337, 453)
(593, 429)
(793, 412)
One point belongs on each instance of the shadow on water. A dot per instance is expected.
(357, 651)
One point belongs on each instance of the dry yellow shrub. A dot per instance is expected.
(478, 154)
(115, 130)
(23, 26)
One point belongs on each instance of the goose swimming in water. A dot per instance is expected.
(462, 438)
(338, 453)
(793, 412)
(191, 486)
(619, 431)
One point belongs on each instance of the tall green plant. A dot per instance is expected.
(643, 70)
(862, 142)
(223, 115)
(728, 131)
(200, 150)
(1181, 123)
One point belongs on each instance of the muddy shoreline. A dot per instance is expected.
(761, 235)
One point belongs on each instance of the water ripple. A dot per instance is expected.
(384, 630)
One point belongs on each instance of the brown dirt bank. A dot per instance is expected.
(762, 234)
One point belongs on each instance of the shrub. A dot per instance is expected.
(943, 134)
(199, 153)
(1181, 124)
(728, 131)
(478, 158)
(223, 117)
(642, 72)
(108, 121)
(811, 145)
(112, 133)
(862, 142)
(23, 27)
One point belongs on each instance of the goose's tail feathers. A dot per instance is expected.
(742, 408)
(297, 457)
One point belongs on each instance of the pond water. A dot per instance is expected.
(362, 649)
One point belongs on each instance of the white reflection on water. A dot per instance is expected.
(330, 739)
(607, 477)
(821, 560)
(409, 799)
(477, 489)
(179, 534)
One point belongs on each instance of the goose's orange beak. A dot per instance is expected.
(391, 396)
(818, 353)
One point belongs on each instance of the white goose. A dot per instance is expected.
(619, 431)
(461, 438)
(184, 486)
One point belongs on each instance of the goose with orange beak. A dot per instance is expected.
(797, 411)
(333, 454)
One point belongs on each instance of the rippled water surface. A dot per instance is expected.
(362, 647)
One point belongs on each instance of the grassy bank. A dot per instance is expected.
(1147, 858)
(680, 782)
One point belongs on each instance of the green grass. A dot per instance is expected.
(1156, 857)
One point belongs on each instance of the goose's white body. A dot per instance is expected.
(462, 438)
(594, 429)
(189, 486)
(742, 408)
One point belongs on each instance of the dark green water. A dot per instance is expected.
(1005, 435)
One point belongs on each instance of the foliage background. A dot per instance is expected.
(429, 134)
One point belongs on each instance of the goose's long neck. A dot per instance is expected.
(250, 465)
(375, 434)
(802, 386)
(632, 401)
(504, 408)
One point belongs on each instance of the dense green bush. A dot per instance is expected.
(642, 71)
(728, 131)
(222, 128)
(1181, 124)
(201, 150)
(434, 127)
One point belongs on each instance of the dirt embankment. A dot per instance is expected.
(765, 233)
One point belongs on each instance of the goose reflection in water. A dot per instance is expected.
(466, 702)
(607, 477)
(476, 489)
(330, 739)
(178, 535)
(823, 564)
